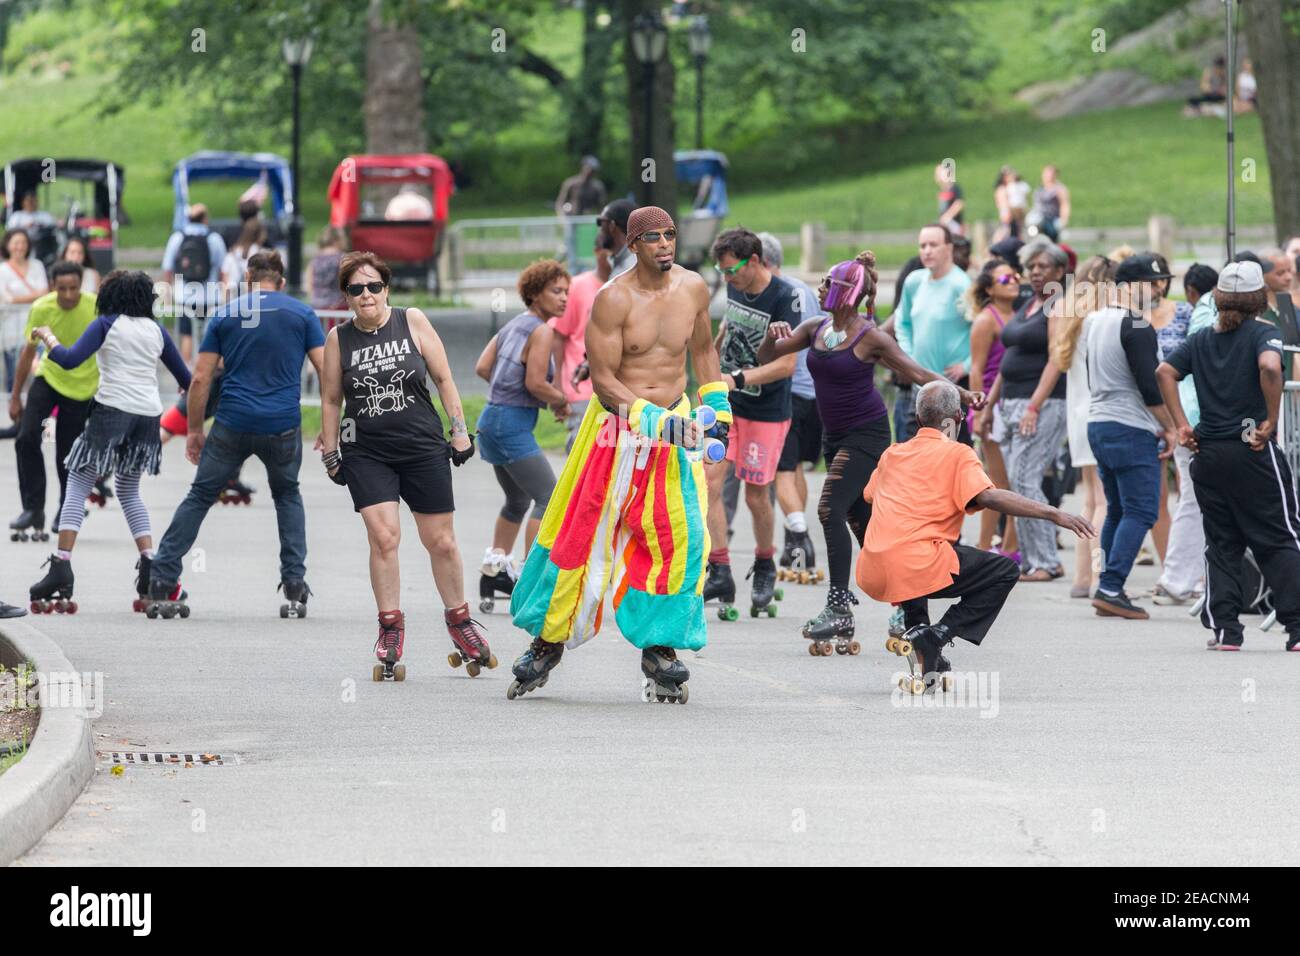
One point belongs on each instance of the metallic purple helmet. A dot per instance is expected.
(848, 282)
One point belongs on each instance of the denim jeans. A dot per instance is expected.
(1129, 468)
(223, 455)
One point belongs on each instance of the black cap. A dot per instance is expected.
(1251, 257)
(1202, 278)
(617, 212)
(1143, 267)
(1008, 249)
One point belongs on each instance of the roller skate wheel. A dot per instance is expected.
(301, 610)
(472, 668)
(781, 574)
(377, 672)
(778, 594)
(284, 612)
(812, 649)
(151, 612)
(805, 577)
(827, 648)
(818, 577)
(841, 648)
(453, 659)
(486, 605)
(647, 694)
(891, 645)
(771, 610)
(168, 613)
(492, 662)
(513, 690)
(753, 610)
(184, 610)
(70, 607)
(399, 672)
(686, 694)
(855, 647)
(138, 605)
(946, 683)
(904, 648)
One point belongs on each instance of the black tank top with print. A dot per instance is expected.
(386, 397)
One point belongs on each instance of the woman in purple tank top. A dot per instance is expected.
(993, 302)
(844, 348)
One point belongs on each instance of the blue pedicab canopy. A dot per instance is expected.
(214, 164)
(693, 166)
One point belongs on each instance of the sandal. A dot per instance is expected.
(1037, 575)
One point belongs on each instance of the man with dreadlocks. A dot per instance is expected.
(629, 508)
(844, 348)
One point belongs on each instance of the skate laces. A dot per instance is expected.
(469, 630)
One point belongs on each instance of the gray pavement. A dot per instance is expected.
(1094, 742)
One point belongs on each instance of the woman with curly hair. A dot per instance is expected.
(121, 433)
(518, 367)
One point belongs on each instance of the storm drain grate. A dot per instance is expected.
(140, 758)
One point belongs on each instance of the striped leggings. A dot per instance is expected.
(127, 489)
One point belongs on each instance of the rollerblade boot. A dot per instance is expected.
(497, 577)
(54, 591)
(922, 646)
(469, 640)
(832, 629)
(295, 597)
(142, 568)
(720, 589)
(28, 526)
(534, 666)
(763, 593)
(665, 676)
(166, 601)
(388, 647)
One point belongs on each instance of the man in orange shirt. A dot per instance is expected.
(919, 494)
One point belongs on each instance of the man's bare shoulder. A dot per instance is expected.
(691, 283)
(612, 301)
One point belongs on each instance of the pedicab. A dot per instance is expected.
(704, 173)
(408, 232)
(88, 196)
(210, 165)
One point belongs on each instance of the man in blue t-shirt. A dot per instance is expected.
(261, 338)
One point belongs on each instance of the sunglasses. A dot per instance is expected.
(356, 288)
(732, 270)
(1007, 279)
(669, 234)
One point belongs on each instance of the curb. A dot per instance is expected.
(39, 789)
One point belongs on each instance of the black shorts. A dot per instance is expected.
(803, 442)
(423, 483)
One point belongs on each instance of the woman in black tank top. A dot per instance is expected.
(381, 436)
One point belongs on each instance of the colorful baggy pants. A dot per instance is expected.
(629, 512)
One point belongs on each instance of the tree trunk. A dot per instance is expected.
(394, 99)
(587, 93)
(1275, 53)
(661, 187)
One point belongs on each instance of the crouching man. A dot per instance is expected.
(919, 494)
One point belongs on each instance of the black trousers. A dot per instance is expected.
(851, 457)
(983, 582)
(41, 400)
(1248, 500)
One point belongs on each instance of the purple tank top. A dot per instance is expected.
(996, 350)
(846, 386)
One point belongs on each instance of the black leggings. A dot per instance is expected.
(851, 457)
(526, 481)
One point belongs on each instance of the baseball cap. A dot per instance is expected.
(1008, 249)
(1200, 277)
(1143, 267)
(1241, 277)
(1251, 257)
(617, 212)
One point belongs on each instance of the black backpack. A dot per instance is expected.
(194, 260)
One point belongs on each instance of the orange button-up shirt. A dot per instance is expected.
(918, 494)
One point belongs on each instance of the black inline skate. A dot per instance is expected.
(720, 588)
(497, 575)
(295, 596)
(665, 676)
(534, 666)
(832, 630)
(922, 645)
(763, 594)
(166, 601)
(799, 560)
(54, 591)
(28, 526)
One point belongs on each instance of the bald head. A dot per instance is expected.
(938, 405)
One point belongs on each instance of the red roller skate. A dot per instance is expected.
(469, 640)
(388, 647)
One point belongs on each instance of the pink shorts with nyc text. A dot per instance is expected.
(755, 448)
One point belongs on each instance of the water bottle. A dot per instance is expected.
(710, 449)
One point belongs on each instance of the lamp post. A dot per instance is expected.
(296, 53)
(649, 42)
(700, 40)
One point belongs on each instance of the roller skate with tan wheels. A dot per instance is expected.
(388, 647)
(763, 593)
(53, 593)
(295, 598)
(831, 631)
(28, 526)
(922, 646)
(469, 640)
(235, 493)
(166, 601)
(533, 668)
(799, 560)
(497, 576)
(720, 590)
(665, 676)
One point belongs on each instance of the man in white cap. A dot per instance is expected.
(1243, 484)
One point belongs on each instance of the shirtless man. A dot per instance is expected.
(629, 508)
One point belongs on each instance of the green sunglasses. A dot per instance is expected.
(732, 270)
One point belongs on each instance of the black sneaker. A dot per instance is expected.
(1117, 605)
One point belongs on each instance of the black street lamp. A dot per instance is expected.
(700, 40)
(296, 53)
(649, 42)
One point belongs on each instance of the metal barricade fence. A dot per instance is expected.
(1288, 426)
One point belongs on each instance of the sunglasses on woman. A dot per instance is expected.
(356, 288)
(1007, 279)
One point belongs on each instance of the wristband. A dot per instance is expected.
(331, 459)
(646, 418)
(714, 394)
(1032, 407)
(738, 377)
